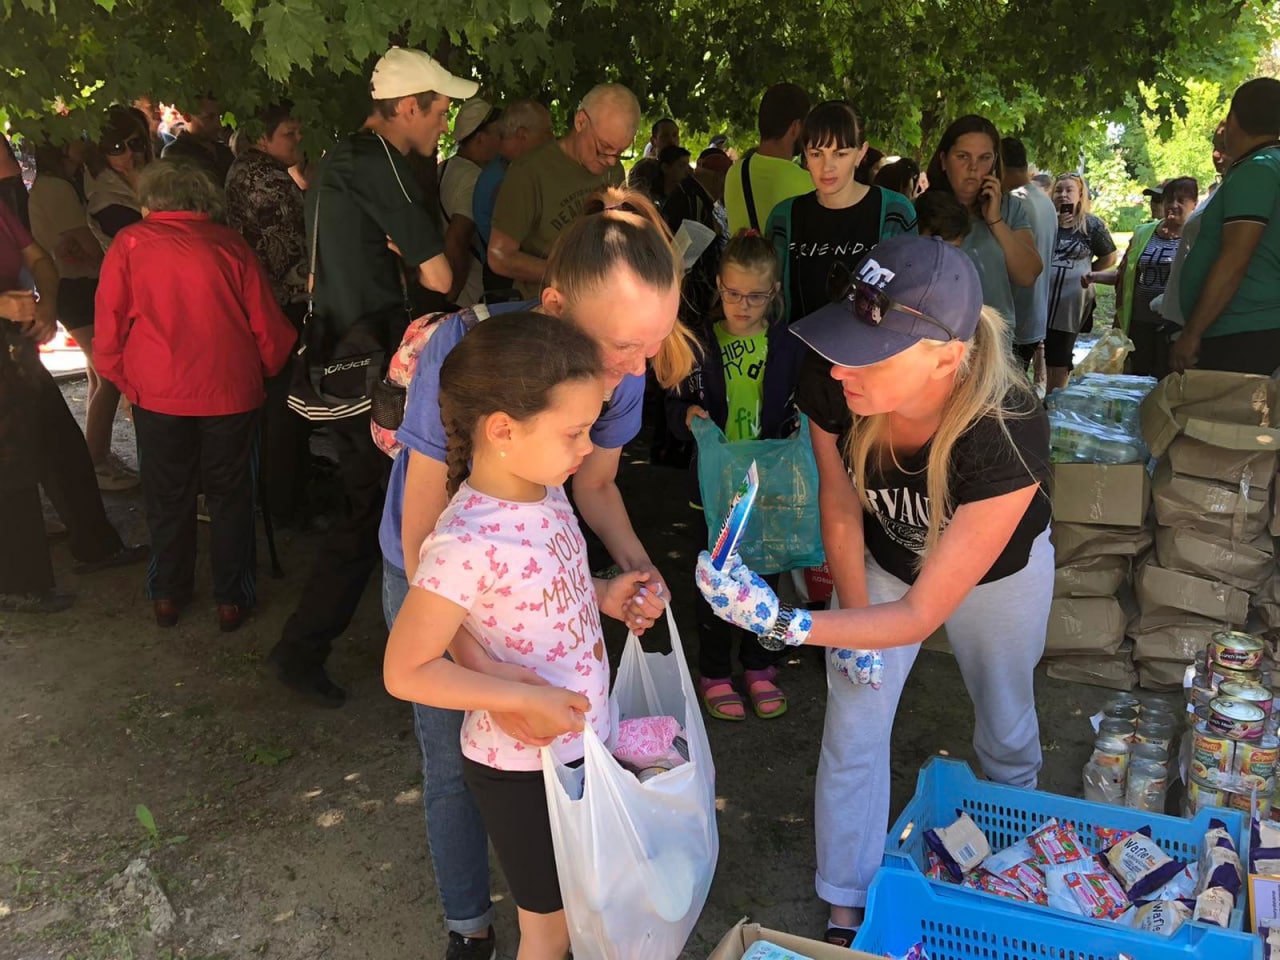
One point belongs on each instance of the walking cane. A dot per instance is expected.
(268, 529)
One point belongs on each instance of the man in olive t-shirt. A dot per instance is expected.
(546, 188)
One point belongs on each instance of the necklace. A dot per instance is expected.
(1166, 232)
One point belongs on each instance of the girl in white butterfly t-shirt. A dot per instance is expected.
(506, 568)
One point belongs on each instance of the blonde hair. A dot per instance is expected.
(984, 381)
(621, 227)
(1079, 220)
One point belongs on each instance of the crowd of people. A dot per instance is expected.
(534, 309)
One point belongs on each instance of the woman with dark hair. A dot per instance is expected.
(188, 328)
(1143, 275)
(901, 176)
(822, 236)
(13, 191)
(967, 164)
(113, 166)
(61, 226)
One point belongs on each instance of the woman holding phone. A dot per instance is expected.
(967, 164)
(1084, 247)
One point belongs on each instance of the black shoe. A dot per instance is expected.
(840, 936)
(121, 558)
(471, 948)
(309, 680)
(51, 601)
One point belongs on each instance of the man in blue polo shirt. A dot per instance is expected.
(1231, 277)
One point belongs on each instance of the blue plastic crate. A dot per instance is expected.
(947, 788)
(903, 908)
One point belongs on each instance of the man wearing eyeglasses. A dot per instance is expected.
(545, 189)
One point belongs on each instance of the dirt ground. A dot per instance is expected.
(161, 797)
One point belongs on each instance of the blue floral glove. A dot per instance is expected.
(859, 666)
(743, 599)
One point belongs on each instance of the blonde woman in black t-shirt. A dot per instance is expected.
(934, 511)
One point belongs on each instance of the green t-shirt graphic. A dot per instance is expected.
(742, 359)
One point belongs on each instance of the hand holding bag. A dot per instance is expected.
(636, 859)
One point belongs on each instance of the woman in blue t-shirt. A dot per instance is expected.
(968, 164)
(614, 272)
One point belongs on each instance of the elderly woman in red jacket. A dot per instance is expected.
(187, 327)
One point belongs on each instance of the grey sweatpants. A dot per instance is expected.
(998, 636)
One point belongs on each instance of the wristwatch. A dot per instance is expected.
(775, 638)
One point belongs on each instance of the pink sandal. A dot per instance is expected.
(764, 692)
(715, 704)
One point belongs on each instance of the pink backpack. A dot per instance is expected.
(392, 395)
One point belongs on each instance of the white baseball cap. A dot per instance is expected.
(472, 115)
(402, 72)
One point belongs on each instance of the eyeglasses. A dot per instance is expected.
(602, 154)
(735, 297)
(121, 147)
(868, 303)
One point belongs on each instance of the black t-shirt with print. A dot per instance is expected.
(984, 464)
(821, 236)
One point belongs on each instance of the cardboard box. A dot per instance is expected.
(1077, 541)
(1091, 577)
(1171, 639)
(1084, 626)
(1266, 602)
(1264, 901)
(1244, 565)
(1114, 673)
(1161, 675)
(1235, 411)
(735, 943)
(1159, 589)
(1231, 513)
(1101, 493)
(1195, 458)
(1274, 527)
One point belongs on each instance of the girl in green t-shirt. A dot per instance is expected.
(745, 384)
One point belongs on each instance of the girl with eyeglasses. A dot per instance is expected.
(934, 512)
(745, 384)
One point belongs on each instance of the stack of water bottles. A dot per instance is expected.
(1095, 419)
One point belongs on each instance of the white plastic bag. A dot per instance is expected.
(636, 859)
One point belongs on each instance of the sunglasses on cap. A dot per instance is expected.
(869, 303)
(119, 148)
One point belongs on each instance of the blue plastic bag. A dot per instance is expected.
(783, 532)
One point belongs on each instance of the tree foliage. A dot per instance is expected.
(1045, 70)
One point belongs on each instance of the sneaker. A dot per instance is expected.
(113, 475)
(472, 948)
(840, 936)
(51, 601)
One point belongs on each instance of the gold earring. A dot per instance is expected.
(502, 454)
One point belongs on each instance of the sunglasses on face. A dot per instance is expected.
(868, 303)
(120, 148)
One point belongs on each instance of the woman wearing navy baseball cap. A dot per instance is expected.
(934, 511)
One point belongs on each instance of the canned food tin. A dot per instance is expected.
(1115, 728)
(1236, 719)
(1220, 675)
(1122, 700)
(1257, 759)
(1254, 693)
(1145, 788)
(1211, 754)
(1242, 801)
(1128, 714)
(1200, 696)
(1236, 650)
(1160, 734)
(1150, 751)
(1111, 754)
(1201, 795)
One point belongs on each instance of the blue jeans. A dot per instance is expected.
(456, 837)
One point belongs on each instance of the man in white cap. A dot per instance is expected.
(475, 131)
(366, 220)
(544, 190)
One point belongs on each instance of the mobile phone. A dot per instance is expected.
(1066, 208)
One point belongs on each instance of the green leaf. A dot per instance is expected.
(147, 820)
(241, 12)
